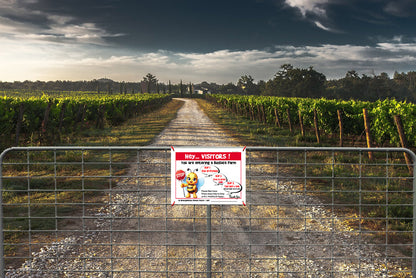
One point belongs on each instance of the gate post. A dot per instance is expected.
(209, 241)
(412, 155)
(2, 265)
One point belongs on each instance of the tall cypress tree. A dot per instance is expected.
(190, 89)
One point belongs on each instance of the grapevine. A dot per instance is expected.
(381, 113)
(69, 113)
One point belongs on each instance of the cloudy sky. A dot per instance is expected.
(195, 40)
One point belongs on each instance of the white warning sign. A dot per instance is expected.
(215, 176)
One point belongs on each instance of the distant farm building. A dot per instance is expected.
(200, 90)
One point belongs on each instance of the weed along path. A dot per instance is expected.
(282, 232)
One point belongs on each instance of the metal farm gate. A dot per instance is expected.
(106, 212)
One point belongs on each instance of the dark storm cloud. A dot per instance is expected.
(203, 40)
(357, 16)
(185, 25)
(401, 8)
(29, 19)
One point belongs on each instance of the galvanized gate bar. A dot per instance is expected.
(285, 220)
(363, 150)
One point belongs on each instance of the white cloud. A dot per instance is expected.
(43, 60)
(81, 33)
(60, 20)
(398, 47)
(321, 26)
(308, 6)
(314, 11)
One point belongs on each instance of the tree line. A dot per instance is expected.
(103, 85)
(289, 81)
(300, 82)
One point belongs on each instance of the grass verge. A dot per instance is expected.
(253, 133)
(138, 131)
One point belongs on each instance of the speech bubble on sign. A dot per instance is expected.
(232, 187)
(209, 170)
(219, 179)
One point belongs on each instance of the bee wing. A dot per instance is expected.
(200, 183)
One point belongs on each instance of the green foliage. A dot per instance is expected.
(381, 113)
(291, 82)
(151, 83)
(76, 111)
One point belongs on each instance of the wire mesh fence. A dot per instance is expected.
(106, 212)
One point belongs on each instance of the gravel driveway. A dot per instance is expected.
(296, 237)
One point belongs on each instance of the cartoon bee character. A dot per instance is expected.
(192, 184)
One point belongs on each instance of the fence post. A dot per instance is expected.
(61, 117)
(368, 133)
(258, 116)
(302, 130)
(19, 123)
(277, 121)
(315, 120)
(45, 120)
(289, 120)
(341, 131)
(403, 141)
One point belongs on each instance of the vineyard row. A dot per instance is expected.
(46, 119)
(330, 116)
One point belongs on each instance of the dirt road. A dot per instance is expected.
(281, 234)
(193, 128)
